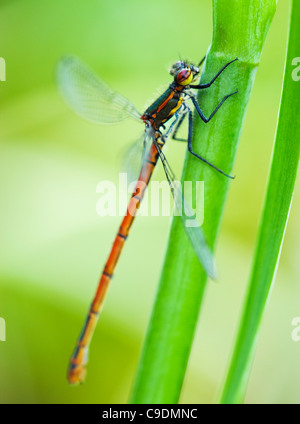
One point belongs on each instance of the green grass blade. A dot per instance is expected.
(273, 221)
(239, 30)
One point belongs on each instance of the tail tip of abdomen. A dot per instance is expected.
(76, 374)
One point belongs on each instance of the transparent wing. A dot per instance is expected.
(133, 156)
(89, 96)
(189, 222)
(131, 159)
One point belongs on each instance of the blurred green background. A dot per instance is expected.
(53, 244)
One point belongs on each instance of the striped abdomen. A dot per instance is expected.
(76, 370)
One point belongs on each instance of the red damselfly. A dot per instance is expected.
(95, 101)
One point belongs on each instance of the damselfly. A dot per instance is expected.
(92, 99)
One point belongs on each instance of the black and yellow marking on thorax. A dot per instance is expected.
(164, 107)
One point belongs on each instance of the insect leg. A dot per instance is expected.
(201, 86)
(170, 130)
(190, 147)
(201, 61)
(199, 111)
(177, 128)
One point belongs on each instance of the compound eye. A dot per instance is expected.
(184, 77)
(175, 67)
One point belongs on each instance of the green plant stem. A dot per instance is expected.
(239, 30)
(273, 222)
